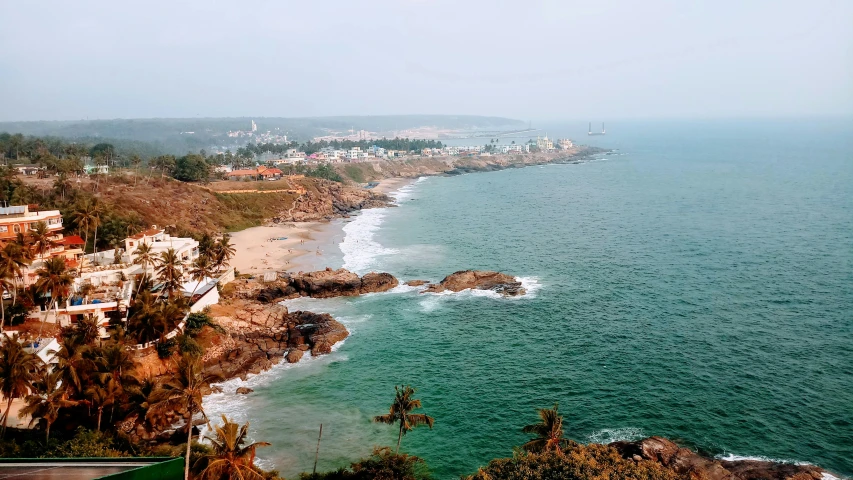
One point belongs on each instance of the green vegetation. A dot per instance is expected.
(231, 457)
(579, 462)
(401, 412)
(354, 173)
(383, 464)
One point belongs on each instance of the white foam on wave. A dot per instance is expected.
(531, 284)
(731, 457)
(610, 435)
(359, 247)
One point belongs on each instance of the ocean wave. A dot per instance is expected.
(359, 247)
(531, 284)
(610, 435)
(237, 407)
(731, 457)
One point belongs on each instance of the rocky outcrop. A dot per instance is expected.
(325, 199)
(261, 347)
(243, 391)
(416, 283)
(325, 284)
(502, 283)
(688, 462)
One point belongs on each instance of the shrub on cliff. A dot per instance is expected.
(579, 462)
(383, 464)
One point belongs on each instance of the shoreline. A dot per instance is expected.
(309, 246)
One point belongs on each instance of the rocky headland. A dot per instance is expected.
(261, 336)
(689, 463)
(321, 284)
(501, 283)
(325, 199)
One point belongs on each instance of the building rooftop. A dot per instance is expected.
(89, 468)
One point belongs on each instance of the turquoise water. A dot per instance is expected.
(698, 285)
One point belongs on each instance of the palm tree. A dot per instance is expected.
(135, 160)
(71, 364)
(5, 286)
(102, 395)
(549, 432)
(53, 278)
(224, 251)
(202, 268)
(169, 269)
(230, 458)
(49, 399)
(145, 323)
(143, 256)
(401, 412)
(14, 256)
(88, 216)
(18, 371)
(42, 238)
(183, 391)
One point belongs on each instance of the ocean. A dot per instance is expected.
(696, 283)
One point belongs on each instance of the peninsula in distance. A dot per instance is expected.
(426, 240)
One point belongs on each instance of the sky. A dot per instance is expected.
(540, 60)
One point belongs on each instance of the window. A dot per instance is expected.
(16, 228)
(4, 228)
(130, 244)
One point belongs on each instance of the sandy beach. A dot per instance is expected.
(306, 244)
(288, 247)
(388, 185)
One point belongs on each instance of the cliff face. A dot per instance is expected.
(324, 199)
(260, 336)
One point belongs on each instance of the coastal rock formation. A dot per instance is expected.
(243, 391)
(416, 283)
(260, 347)
(498, 282)
(688, 462)
(326, 199)
(325, 284)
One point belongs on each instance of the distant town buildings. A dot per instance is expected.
(544, 144)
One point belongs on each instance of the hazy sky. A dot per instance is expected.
(522, 59)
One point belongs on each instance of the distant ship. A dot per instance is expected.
(602, 132)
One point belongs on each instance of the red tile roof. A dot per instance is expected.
(72, 240)
(147, 233)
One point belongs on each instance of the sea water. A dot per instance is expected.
(696, 284)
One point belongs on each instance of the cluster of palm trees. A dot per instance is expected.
(548, 432)
(94, 380)
(214, 255)
(54, 279)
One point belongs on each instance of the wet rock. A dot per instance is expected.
(244, 391)
(501, 283)
(294, 355)
(687, 462)
(416, 283)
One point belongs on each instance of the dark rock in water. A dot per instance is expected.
(244, 391)
(325, 284)
(501, 283)
(416, 283)
(688, 462)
